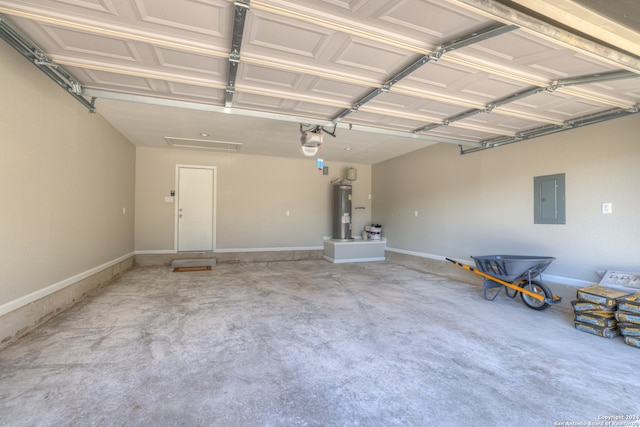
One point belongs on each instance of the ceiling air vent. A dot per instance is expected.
(202, 144)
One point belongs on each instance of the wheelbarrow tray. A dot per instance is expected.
(512, 268)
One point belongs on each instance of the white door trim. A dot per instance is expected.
(215, 203)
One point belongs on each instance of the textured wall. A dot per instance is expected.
(252, 195)
(65, 177)
(482, 203)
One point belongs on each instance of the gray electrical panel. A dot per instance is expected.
(549, 199)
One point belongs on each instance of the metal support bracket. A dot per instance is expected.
(590, 119)
(544, 130)
(489, 32)
(32, 53)
(239, 16)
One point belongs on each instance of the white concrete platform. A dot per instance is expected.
(343, 251)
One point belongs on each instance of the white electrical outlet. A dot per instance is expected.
(415, 213)
(607, 208)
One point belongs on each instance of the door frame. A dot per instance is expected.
(214, 231)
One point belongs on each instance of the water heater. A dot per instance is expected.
(342, 212)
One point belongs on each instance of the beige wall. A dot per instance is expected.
(65, 176)
(252, 195)
(482, 203)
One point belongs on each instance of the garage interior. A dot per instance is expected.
(448, 111)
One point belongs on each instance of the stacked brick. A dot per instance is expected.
(628, 318)
(608, 313)
(595, 311)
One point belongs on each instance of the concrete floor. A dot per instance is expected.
(309, 343)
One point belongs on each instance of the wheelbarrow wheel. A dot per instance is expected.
(536, 287)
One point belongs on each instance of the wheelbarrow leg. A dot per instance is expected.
(490, 284)
(515, 293)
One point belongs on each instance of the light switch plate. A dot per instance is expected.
(607, 208)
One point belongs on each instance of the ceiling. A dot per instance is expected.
(387, 78)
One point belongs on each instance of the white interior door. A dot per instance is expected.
(195, 209)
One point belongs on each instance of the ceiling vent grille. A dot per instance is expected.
(203, 144)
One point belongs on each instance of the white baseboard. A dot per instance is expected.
(417, 254)
(567, 281)
(155, 252)
(344, 261)
(285, 249)
(34, 296)
(547, 277)
(233, 250)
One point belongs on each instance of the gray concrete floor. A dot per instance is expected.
(309, 343)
